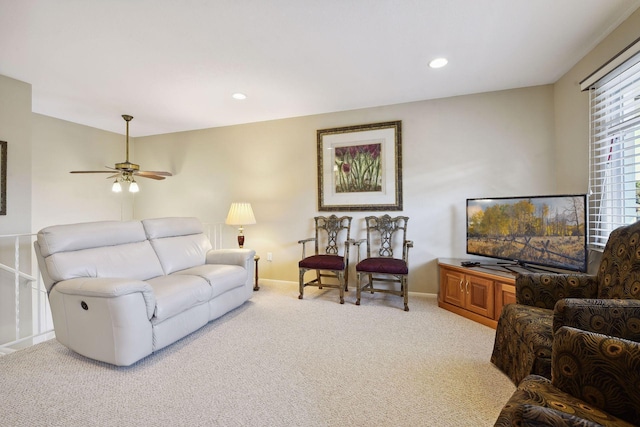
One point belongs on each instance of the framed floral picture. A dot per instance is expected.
(360, 168)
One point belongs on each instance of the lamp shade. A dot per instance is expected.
(240, 214)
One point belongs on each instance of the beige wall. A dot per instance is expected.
(493, 144)
(60, 197)
(572, 108)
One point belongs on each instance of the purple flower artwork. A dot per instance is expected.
(358, 168)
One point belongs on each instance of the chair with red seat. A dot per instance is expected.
(384, 234)
(331, 234)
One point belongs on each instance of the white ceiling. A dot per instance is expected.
(174, 64)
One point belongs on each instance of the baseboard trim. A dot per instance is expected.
(272, 282)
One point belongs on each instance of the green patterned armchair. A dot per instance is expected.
(606, 303)
(596, 382)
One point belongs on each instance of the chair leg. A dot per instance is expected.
(346, 279)
(358, 288)
(341, 281)
(301, 279)
(371, 283)
(405, 292)
(319, 279)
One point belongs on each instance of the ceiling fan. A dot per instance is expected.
(125, 171)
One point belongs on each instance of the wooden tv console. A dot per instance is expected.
(477, 293)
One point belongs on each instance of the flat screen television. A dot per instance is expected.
(545, 231)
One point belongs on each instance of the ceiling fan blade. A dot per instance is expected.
(148, 175)
(91, 172)
(161, 173)
(113, 176)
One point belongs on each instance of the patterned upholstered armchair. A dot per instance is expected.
(606, 303)
(595, 383)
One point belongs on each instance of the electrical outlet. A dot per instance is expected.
(269, 256)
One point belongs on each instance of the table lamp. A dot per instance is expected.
(240, 214)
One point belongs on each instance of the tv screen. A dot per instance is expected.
(546, 231)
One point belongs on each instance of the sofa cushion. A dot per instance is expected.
(177, 294)
(117, 249)
(221, 277)
(179, 253)
(130, 261)
(179, 242)
(73, 237)
(157, 228)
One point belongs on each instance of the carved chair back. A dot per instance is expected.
(384, 234)
(331, 234)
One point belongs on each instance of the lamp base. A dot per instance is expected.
(241, 240)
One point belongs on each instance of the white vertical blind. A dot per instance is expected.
(614, 176)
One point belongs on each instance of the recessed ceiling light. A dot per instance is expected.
(239, 95)
(438, 63)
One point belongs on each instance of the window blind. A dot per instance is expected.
(614, 170)
(611, 66)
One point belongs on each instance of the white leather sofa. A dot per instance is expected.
(120, 290)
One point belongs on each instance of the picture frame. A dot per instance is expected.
(3, 177)
(360, 167)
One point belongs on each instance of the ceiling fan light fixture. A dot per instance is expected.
(125, 171)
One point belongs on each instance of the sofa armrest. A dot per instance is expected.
(544, 290)
(616, 317)
(103, 287)
(241, 257)
(107, 319)
(599, 369)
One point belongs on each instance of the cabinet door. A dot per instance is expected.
(452, 287)
(505, 294)
(479, 295)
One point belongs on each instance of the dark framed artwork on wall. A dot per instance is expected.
(360, 168)
(3, 177)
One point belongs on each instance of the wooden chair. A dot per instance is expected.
(384, 234)
(332, 234)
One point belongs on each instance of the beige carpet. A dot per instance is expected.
(276, 361)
